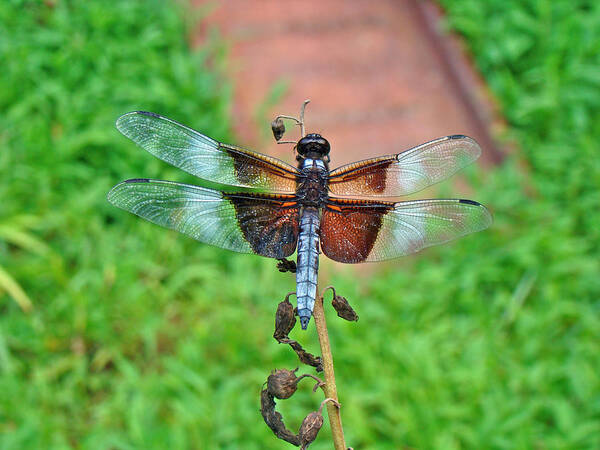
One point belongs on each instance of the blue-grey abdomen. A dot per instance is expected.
(307, 264)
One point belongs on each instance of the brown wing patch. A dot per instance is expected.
(367, 177)
(268, 222)
(255, 169)
(349, 228)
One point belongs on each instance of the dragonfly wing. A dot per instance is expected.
(263, 224)
(406, 172)
(205, 157)
(354, 231)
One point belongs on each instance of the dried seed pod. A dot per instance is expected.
(267, 409)
(312, 424)
(278, 128)
(284, 319)
(310, 428)
(343, 308)
(274, 420)
(282, 383)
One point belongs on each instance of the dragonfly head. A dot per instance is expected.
(314, 146)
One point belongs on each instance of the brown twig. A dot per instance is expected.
(320, 383)
(333, 411)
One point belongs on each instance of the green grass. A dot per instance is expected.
(142, 338)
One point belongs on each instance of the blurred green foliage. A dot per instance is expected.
(141, 338)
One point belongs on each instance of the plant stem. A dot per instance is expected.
(333, 411)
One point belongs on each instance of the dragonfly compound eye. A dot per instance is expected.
(313, 145)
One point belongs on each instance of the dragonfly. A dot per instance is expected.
(273, 209)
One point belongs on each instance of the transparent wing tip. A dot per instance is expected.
(114, 196)
(485, 218)
(124, 120)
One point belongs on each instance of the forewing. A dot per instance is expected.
(263, 224)
(406, 172)
(354, 231)
(204, 157)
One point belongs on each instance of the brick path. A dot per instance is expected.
(379, 79)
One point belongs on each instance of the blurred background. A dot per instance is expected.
(115, 333)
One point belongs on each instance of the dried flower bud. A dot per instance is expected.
(282, 383)
(343, 308)
(284, 319)
(310, 428)
(278, 128)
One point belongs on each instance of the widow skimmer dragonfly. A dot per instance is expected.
(274, 207)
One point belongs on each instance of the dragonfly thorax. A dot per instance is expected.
(312, 183)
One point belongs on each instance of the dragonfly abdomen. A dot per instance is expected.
(307, 264)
